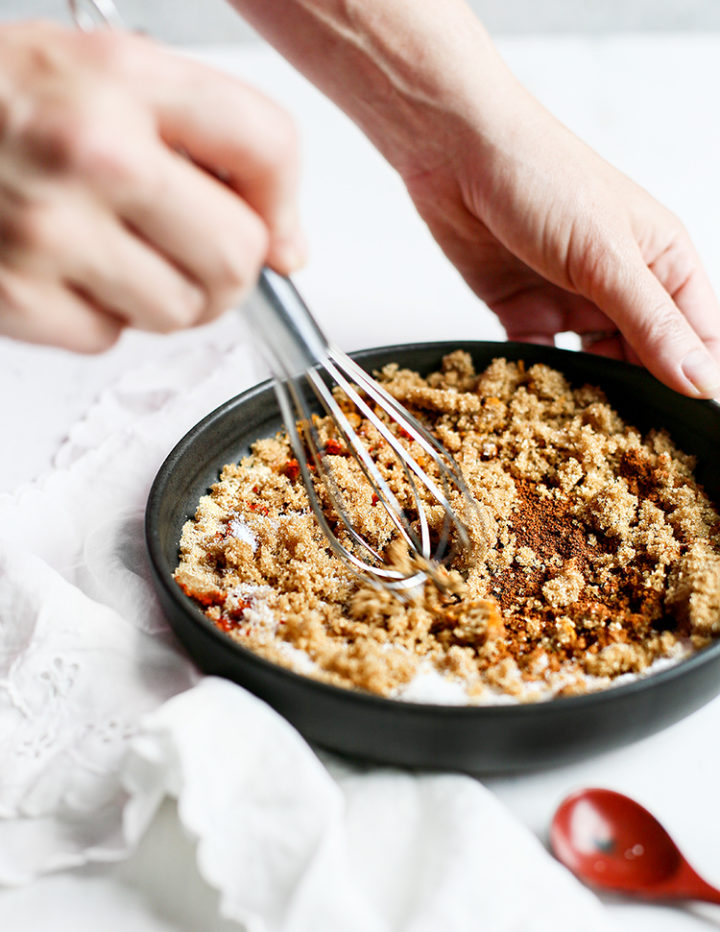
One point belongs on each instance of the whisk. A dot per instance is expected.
(306, 366)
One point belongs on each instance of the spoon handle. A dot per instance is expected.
(706, 892)
(687, 884)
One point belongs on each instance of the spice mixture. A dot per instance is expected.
(595, 554)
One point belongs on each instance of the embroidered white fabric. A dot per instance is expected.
(102, 716)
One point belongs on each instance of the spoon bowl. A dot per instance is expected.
(610, 841)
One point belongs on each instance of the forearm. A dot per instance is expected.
(414, 74)
(546, 232)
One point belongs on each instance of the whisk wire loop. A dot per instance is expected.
(414, 431)
(307, 367)
(303, 437)
(379, 485)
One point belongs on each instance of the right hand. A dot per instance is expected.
(103, 223)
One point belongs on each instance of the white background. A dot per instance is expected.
(649, 105)
(214, 21)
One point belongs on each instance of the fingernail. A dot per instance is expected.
(290, 252)
(703, 372)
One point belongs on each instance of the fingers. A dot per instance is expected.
(236, 133)
(679, 269)
(252, 143)
(188, 235)
(604, 343)
(204, 229)
(54, 315)
(698, 302)
(653, 324)
(543, 310)
(533, 310)
(130, 280)
(629, 317)
(77, 244)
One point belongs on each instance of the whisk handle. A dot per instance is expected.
(292, 340)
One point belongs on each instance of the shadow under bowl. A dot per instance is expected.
(472, 738)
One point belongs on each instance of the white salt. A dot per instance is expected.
(241, 531)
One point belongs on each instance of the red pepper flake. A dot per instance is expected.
(238, 614)
(333, 448)
(404, 433)
(229, 627)
(206, 598)
(291, 469)
(233, 618)
(259, 508)
(255, 489)
(375, 500)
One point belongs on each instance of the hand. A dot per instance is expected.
(103, 222)
(553, 239)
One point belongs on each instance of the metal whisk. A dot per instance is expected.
(306, 366)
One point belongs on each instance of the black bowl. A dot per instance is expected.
(480, 739)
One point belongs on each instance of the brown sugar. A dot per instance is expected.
(595, 554)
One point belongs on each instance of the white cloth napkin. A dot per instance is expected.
(102, 716)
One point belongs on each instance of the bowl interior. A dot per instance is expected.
(640, 399)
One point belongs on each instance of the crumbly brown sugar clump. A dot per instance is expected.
(595, 554)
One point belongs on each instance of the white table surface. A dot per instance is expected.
(650, 105)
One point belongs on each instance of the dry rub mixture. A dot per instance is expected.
(595, 553)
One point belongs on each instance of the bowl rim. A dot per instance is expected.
(550, 706)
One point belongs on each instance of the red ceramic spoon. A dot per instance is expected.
(608, 840)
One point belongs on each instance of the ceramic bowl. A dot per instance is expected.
(477, 739)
